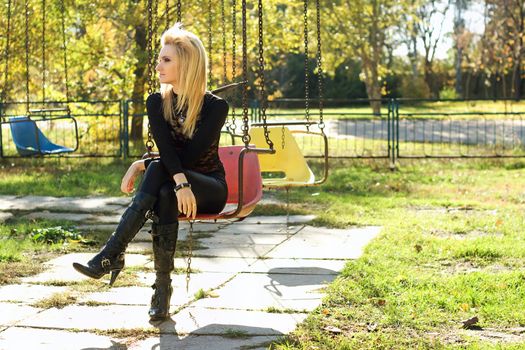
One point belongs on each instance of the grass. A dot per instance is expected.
(57, 300)
(451, 248)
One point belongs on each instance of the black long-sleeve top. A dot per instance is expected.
(177, 152)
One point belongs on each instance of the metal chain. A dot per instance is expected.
(43, 50)
(210, 42)
(8, 37)
(261, 76)
(149, 47)
(234, 56)
(223, 25)
(64, 45)
(319, 66)
(179, 13)
(155, 21)
(245, 136)
(190, 253)
(167, 12)
(282, 137)
(26, 10)
(306, 73)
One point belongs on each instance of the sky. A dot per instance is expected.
(474, 21)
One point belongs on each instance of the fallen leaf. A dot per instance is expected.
(418, 247)
(372, 327)
(332, 329)
(325, 312)
(464, 307)
(470, 322)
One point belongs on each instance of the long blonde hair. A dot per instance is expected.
(191, 77)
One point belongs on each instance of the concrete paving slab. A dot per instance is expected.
(200, 342)
(12, 313)
(48, 339)
(140, 247)
(100, 227)
(28, 293)
(260, 291)
(107, 219)
(298, 266)
(5, 216)
(214, 264)
(201, 321)
(253, 228)
(204, 281)
(23, 203)
(60, 269)
(235, 251)
(281, 219)
(91, 317)
(223, 239)
(142, 295)
(6, 202)
(76, 217)
(324, 243)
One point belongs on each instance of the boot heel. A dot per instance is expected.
(114, 275)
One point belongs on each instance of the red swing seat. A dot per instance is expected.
(241, 165)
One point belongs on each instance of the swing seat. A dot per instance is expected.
(288, 163)
(241, 166)
(30, 141)
(250, 175)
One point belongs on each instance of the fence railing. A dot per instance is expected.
(396, 129)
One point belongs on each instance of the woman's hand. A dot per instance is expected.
(186, 202)
(128, 180)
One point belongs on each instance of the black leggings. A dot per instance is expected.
(210, 191)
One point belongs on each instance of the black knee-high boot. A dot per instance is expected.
(164, 243)
(111, 257)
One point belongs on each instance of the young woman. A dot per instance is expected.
(186, 121)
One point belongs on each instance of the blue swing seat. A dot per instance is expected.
(29, 140)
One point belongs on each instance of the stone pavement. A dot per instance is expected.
(260, 278)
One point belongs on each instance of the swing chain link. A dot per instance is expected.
(245, 136)
(26, 13)
(149, 46)
(261, 76)
(64, 46)
(210, 43)
(167, 12)
(282, 137)
(43, 51)
(319, 66)
(190, 253)
(179, 13)
(7, 45)
(306, 72)
(223, 26)
(233, 125)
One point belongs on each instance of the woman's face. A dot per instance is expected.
(167, 66)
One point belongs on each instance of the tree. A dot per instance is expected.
(363, 28)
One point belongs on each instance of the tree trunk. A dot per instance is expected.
(138, 86)
(429, 79)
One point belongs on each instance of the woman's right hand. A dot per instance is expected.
(128, 180)
(186, 202)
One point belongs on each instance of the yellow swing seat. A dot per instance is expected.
(288, 162)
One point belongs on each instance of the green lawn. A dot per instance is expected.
(452, 247)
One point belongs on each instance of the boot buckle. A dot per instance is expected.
(105, 263)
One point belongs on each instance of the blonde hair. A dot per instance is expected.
(191, 77)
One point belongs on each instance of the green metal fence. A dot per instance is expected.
(398, 129)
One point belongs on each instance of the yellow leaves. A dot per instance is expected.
(464, 307)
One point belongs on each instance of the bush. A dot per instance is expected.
(448, 93)
(414, 87)
(57, 234)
